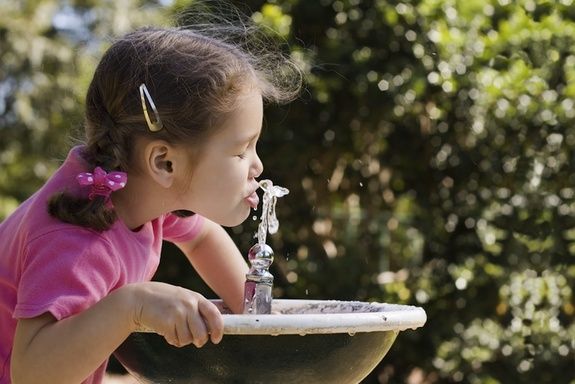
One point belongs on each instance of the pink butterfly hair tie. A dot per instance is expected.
(103, 183)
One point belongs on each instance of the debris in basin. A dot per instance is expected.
(334, 306)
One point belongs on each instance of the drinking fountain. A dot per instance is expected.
(278, 341)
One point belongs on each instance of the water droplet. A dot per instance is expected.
(254, 217)
(306, 292)
(351, 333)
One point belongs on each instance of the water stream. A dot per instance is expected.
(259, 281)
(269, 222)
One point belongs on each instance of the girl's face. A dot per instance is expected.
(223, 182)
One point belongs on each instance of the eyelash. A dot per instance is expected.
(243, 155)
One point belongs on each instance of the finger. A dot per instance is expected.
(213, 320)
(172, 337)
(183, 334)
(197, 328)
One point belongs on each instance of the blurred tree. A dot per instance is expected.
(434, 147)
(48, 50)
(39, 90)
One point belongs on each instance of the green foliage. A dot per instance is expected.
(40, 89)
(428, 161)
(48, 50)
(434, 142)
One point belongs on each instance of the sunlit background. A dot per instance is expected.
(429, 160)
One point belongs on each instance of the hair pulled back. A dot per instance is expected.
(194, 75)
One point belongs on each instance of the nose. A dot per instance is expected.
(257, 167)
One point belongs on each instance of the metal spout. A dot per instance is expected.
(259, 281)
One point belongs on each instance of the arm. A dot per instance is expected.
(46, 350)
(69, 350)
(219, 262)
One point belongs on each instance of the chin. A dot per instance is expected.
(232, 219)
(238, 219)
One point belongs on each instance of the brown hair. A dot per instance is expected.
(194, 79)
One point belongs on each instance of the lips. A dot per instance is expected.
(253, 200)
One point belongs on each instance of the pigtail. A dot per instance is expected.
(82, 211)
(103, 149)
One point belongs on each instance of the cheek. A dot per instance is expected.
(231, 181)
(223, 181)
(218, 189)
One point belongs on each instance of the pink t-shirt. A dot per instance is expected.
(50, 266)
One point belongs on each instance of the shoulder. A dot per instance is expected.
(69, 233)
(179, 229)
(65, 270)
(66, 243)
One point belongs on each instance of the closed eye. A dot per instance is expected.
(249, 146)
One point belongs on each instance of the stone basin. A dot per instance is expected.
(302, 341)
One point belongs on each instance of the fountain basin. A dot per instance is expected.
(303, 341)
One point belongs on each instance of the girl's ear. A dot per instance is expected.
(160, 160)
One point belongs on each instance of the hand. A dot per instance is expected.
(181, 316)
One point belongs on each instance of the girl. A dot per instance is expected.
(172, 121)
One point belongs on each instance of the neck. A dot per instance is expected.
(139, 202)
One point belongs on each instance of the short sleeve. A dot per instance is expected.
(181, 229)
(64, 273)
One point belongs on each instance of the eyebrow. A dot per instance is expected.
(249, 139)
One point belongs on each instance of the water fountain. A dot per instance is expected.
(276, 341)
